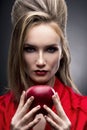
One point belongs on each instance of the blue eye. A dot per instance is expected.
(52, 49)
(29, 49)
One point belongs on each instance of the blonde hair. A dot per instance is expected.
(56, 9)
(25, 19)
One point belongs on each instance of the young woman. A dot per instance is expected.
(39, 55)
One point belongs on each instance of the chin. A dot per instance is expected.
(40, 80)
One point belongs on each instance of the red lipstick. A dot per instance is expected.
(41, 72)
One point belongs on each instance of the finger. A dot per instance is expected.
(26, 106)
(32, 124)
(21, 103)
(64, 123)
(56, 126)
(53, 115)
(34, 110)
(29, 116)
(58, 106)
(52, 123)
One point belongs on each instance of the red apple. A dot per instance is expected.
(42, 95)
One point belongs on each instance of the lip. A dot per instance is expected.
(41, 72)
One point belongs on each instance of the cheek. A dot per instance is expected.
(28, 62)
(55, 64)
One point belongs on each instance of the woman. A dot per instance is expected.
(39, 55)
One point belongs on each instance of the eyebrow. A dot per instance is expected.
(30, 44)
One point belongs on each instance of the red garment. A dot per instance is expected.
(73, 104)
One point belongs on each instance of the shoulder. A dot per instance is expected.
(6, 97)
(78, 101)
(7, 109)
(7, 100)
(70, 98)
(78, 108)
(8, 106)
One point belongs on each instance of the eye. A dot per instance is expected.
(29, 49)
(52, 49)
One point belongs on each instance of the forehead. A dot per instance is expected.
(42, 33)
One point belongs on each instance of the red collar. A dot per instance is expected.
(70, 99)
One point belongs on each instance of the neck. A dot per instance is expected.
(50, 82)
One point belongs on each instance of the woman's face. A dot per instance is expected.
(42, 54)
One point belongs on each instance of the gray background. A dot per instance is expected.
(77, 34)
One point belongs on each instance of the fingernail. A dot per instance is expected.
(55, 95)
(38, 106)
(44, 106)
(22, 92)
(45, 116)
(31, 98)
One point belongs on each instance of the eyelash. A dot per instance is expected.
(52, 49)
(49, 49)
(29, 49)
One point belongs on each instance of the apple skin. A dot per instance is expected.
(42, 95)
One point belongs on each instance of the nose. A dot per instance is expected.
(40, 60)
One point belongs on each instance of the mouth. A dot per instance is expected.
(41, 72)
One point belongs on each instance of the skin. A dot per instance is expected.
(42, 51)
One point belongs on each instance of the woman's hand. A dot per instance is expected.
(23, 118)
(60, 120)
